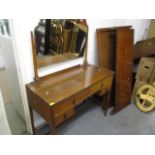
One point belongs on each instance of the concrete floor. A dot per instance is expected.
(129, 121)
(91, 121)
(16, 123)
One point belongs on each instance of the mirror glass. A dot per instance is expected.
(59, 40)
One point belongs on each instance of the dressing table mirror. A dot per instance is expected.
(56, 97)
(59, 40)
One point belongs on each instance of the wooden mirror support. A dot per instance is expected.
(34, 53)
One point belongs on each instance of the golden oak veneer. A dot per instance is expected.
(56, 96)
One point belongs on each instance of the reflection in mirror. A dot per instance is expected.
(4, 27)
(59, 40)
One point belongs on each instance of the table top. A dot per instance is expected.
(58, 86)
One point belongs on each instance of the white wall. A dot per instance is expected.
(23, 27)
(12, 74)
(138, 25)
(22, 30)
(1, 60)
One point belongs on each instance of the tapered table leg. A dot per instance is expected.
(53, 130)
(52, 124)
(106, 101)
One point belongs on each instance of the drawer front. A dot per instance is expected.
(61, 117)
(96, 87)
(61, 107)
(106, 85)
(81, 96)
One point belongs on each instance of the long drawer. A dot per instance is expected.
(81, 96)
(96, 87)
(66, 109)
(63, 106)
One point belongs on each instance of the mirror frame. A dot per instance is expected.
(34, 51)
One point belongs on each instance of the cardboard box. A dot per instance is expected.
(152, 79)
(146, 69)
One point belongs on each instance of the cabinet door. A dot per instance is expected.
(106, 40)
(124, 57)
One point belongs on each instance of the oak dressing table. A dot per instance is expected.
(56, 96)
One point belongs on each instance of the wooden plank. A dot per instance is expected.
(124, 58)
(106, 48)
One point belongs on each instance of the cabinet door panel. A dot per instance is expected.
(106, 48)
(124, 57)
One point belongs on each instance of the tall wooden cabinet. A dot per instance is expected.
(115, 50)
